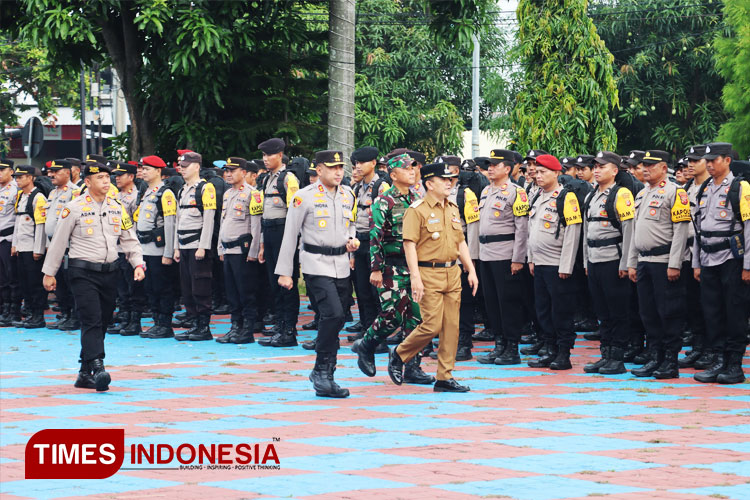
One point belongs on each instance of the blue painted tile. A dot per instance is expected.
(453, 397)
(740, 468)
(224, 424)
(22, 382)
(307, 484)
(376, 441)
(743, 399)
(279, 396)
(81, 410)
(736, 492)
(578, 443)
(435, 408)
(612, 410)
(631, 384)
(407, 424)
(10, 395)
(587, 426)
(740, 429)
(538, 488)
(164, 383)
(31, 426)
(743, 447)
(260, 409)
(300, 385)
(49, 488)
(563, 463)
(352, 460)
(123, 396)
(500, 372)
(203, 370)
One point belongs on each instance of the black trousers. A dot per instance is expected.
(662, 305)
(263, 301)
(554, 299)
(466, 312)
(158, 285)
(94, 293)
(10, 291)
(637, 330)
(331, 295)
(726, 301)
(611, 297)
(62, 291)
(240, 280)
(584, 303)
(195, 281)
(131, 293)
(218, 285)
(529, 301)
(30, 274)
(503, 299)
(313, 302)
(694, 319)
(367, 295)
(286, 302)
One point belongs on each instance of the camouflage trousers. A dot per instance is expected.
(397, 309)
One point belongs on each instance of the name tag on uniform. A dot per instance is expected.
(432, 221)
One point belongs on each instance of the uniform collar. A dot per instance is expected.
(431, 201)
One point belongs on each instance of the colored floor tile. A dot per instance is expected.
(307, 484)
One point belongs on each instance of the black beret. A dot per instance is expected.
(418, 157)
(272, 146)
(365, 154)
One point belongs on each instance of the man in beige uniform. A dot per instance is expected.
(92, 225)
(433, 239)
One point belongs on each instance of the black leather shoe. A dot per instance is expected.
(233, 330)
(132, 327)
(55, 325)
(355, 328)
(118, 322)
(413, 373)
(85, 380)
(221, 309)
(463, 353)
(485, 335)
(183, 323)
(644, 357)
(312, 325)
(594, 367)
(201, 333)
(356, 336)
(546, 360)
(614, 364)
(101, 377)
(365, 351)
(449, 386)
(308, 345)
(395, 367)
(631, 352)
(528, 339)
(382, 348)
(587, 325)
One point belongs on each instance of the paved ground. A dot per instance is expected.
(521, 433)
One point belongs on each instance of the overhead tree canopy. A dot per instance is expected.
(568, 89)
(668, 85)
(733, 63)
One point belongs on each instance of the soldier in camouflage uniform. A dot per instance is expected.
(389, 272)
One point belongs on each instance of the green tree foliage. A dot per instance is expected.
(568, 88)
(414, 89)
(669, 88)
(216, 77)
(733, 63)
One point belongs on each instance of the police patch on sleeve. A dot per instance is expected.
(297, 201)
(521, 205)
(681, 208)
(471, 207)
(209, 196)
(625, 205)
(168, 203)
(744, 201)
(65, 213)
(126, 222)
(571, 210)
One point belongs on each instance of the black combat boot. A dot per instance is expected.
(707, 360)
(312, 325)
(55, 325)
(615, 364)
(287, 337)
(244, 336)
(186, 322)
(163, 328)
(118, 322)
(396, 338)
(365, 349)
(233, 330)
(691, 357)
(533, 349)
(413, 373)
(668, 368)
(732, 373)
(631, 352)
(133, 327)
(594, 367)
(382, 347)
(463, 353)
(489, 358)
(651, 366)
(71, 324)
(322, 377)
(100, 376)
(85, 380)
(509, 355)
(562, 360)
(36, 320)
(645, 356)
(309, 345)
(203, 330)
(485, 335)
(4, 314)
(547, 359)
(355, 328)
(711, 374)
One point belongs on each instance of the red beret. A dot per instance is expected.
(549, 161)
(133, 162)
(153, 161)
(181, 152)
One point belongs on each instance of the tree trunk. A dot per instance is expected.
(122, 44)
(341, 76)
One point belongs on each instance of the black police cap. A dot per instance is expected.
(364, 154)
(604, 157)
(272, 146)
(330, 158)
(716, 149)
(24, 170)
(6, 164)
(502, 155)
(75, 162)
(654, 156)
(93, 167)
(58, 164)
(482, 162)
(436, 170)
(696, 153)
(96, 159)
(417, 156)
(635, 157)
(586, 161)
(448, 160)
(234, 162)
(533, 153)
(122, 167)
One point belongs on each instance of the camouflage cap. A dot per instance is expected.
(401, 161)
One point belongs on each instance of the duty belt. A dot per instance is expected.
(715, 247)
(395, 260)
(92, 266)
(193, 235)
(7, 231)
(719, 234)
(606, 242)
(491, 238)
(437, 264)
(155, 236)
(266, 223)
(324, 250)
(244, 241)
(660, 250)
